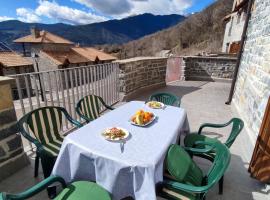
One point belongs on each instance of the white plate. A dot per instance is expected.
(116, 139)
(161, 107)
(153, 119)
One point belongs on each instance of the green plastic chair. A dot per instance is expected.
(185, 180)
(166, 98)
(42, 127)
(191, 140)
(79, 190)
(88, 107)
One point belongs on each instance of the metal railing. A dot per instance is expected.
(65, 87)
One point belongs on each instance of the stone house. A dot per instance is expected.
(252, 89)
(234, 26)
(53, 52)
(12, 63)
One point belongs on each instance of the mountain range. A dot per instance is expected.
(108, 32)
(199, 32)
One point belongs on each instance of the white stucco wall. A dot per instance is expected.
(234, 29)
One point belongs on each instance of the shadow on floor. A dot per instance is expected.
(237, 182)
(177, 90)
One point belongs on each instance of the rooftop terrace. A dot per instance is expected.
(204, 102)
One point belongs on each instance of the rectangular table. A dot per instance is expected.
(132, 170)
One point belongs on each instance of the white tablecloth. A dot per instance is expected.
(129, 171)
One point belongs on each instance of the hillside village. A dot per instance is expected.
(130, 118)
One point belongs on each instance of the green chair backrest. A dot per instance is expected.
(46, 125)
(180, 165)
(166, 98)
(237, 126)
(219, 165)
(89, 107)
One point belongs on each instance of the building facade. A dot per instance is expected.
(253, 83)
(12, 63)
(234, 27)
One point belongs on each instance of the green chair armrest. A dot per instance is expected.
(81, 115)
(194, 151)
(69, 118)
(104, 104)
(213, 126)
(37, 188)
(185, 187)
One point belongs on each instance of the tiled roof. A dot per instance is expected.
(12, 59)
(60, 58)
(92, 53)
(78, 55)
(45, 37)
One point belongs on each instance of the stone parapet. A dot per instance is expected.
(140, 74)
(12, 156)
(204, 68)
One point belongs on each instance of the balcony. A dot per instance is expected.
(204, 101)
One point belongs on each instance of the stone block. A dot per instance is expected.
(6, 101)
(7, 116)
(14, 143)
(2, 152)
(13, 166)
(8, 131)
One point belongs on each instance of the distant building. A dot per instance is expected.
(12, 63)
(234, 27)
(53, 52)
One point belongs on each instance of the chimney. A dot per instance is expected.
(35, 32)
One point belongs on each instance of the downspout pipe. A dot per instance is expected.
(239, 56)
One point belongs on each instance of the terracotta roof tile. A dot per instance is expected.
(45, 37)
(92, 53)
(77, 55)
(12, 59)
(60, 58)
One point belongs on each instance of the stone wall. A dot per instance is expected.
(253, 83)
(12, 156)
(139, 74)
(208, 68)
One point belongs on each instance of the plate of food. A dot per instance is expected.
(142, 118)
(115, 134)
(155, 104)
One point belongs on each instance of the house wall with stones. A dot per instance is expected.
(36, 48)
(253, 82)
(207, 68)
(12, 156)
(139, 74)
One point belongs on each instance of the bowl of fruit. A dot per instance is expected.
(142, 118)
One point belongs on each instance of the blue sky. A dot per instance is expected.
(90, 11)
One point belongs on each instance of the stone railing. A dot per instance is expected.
(140, 74)
(208, 68)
